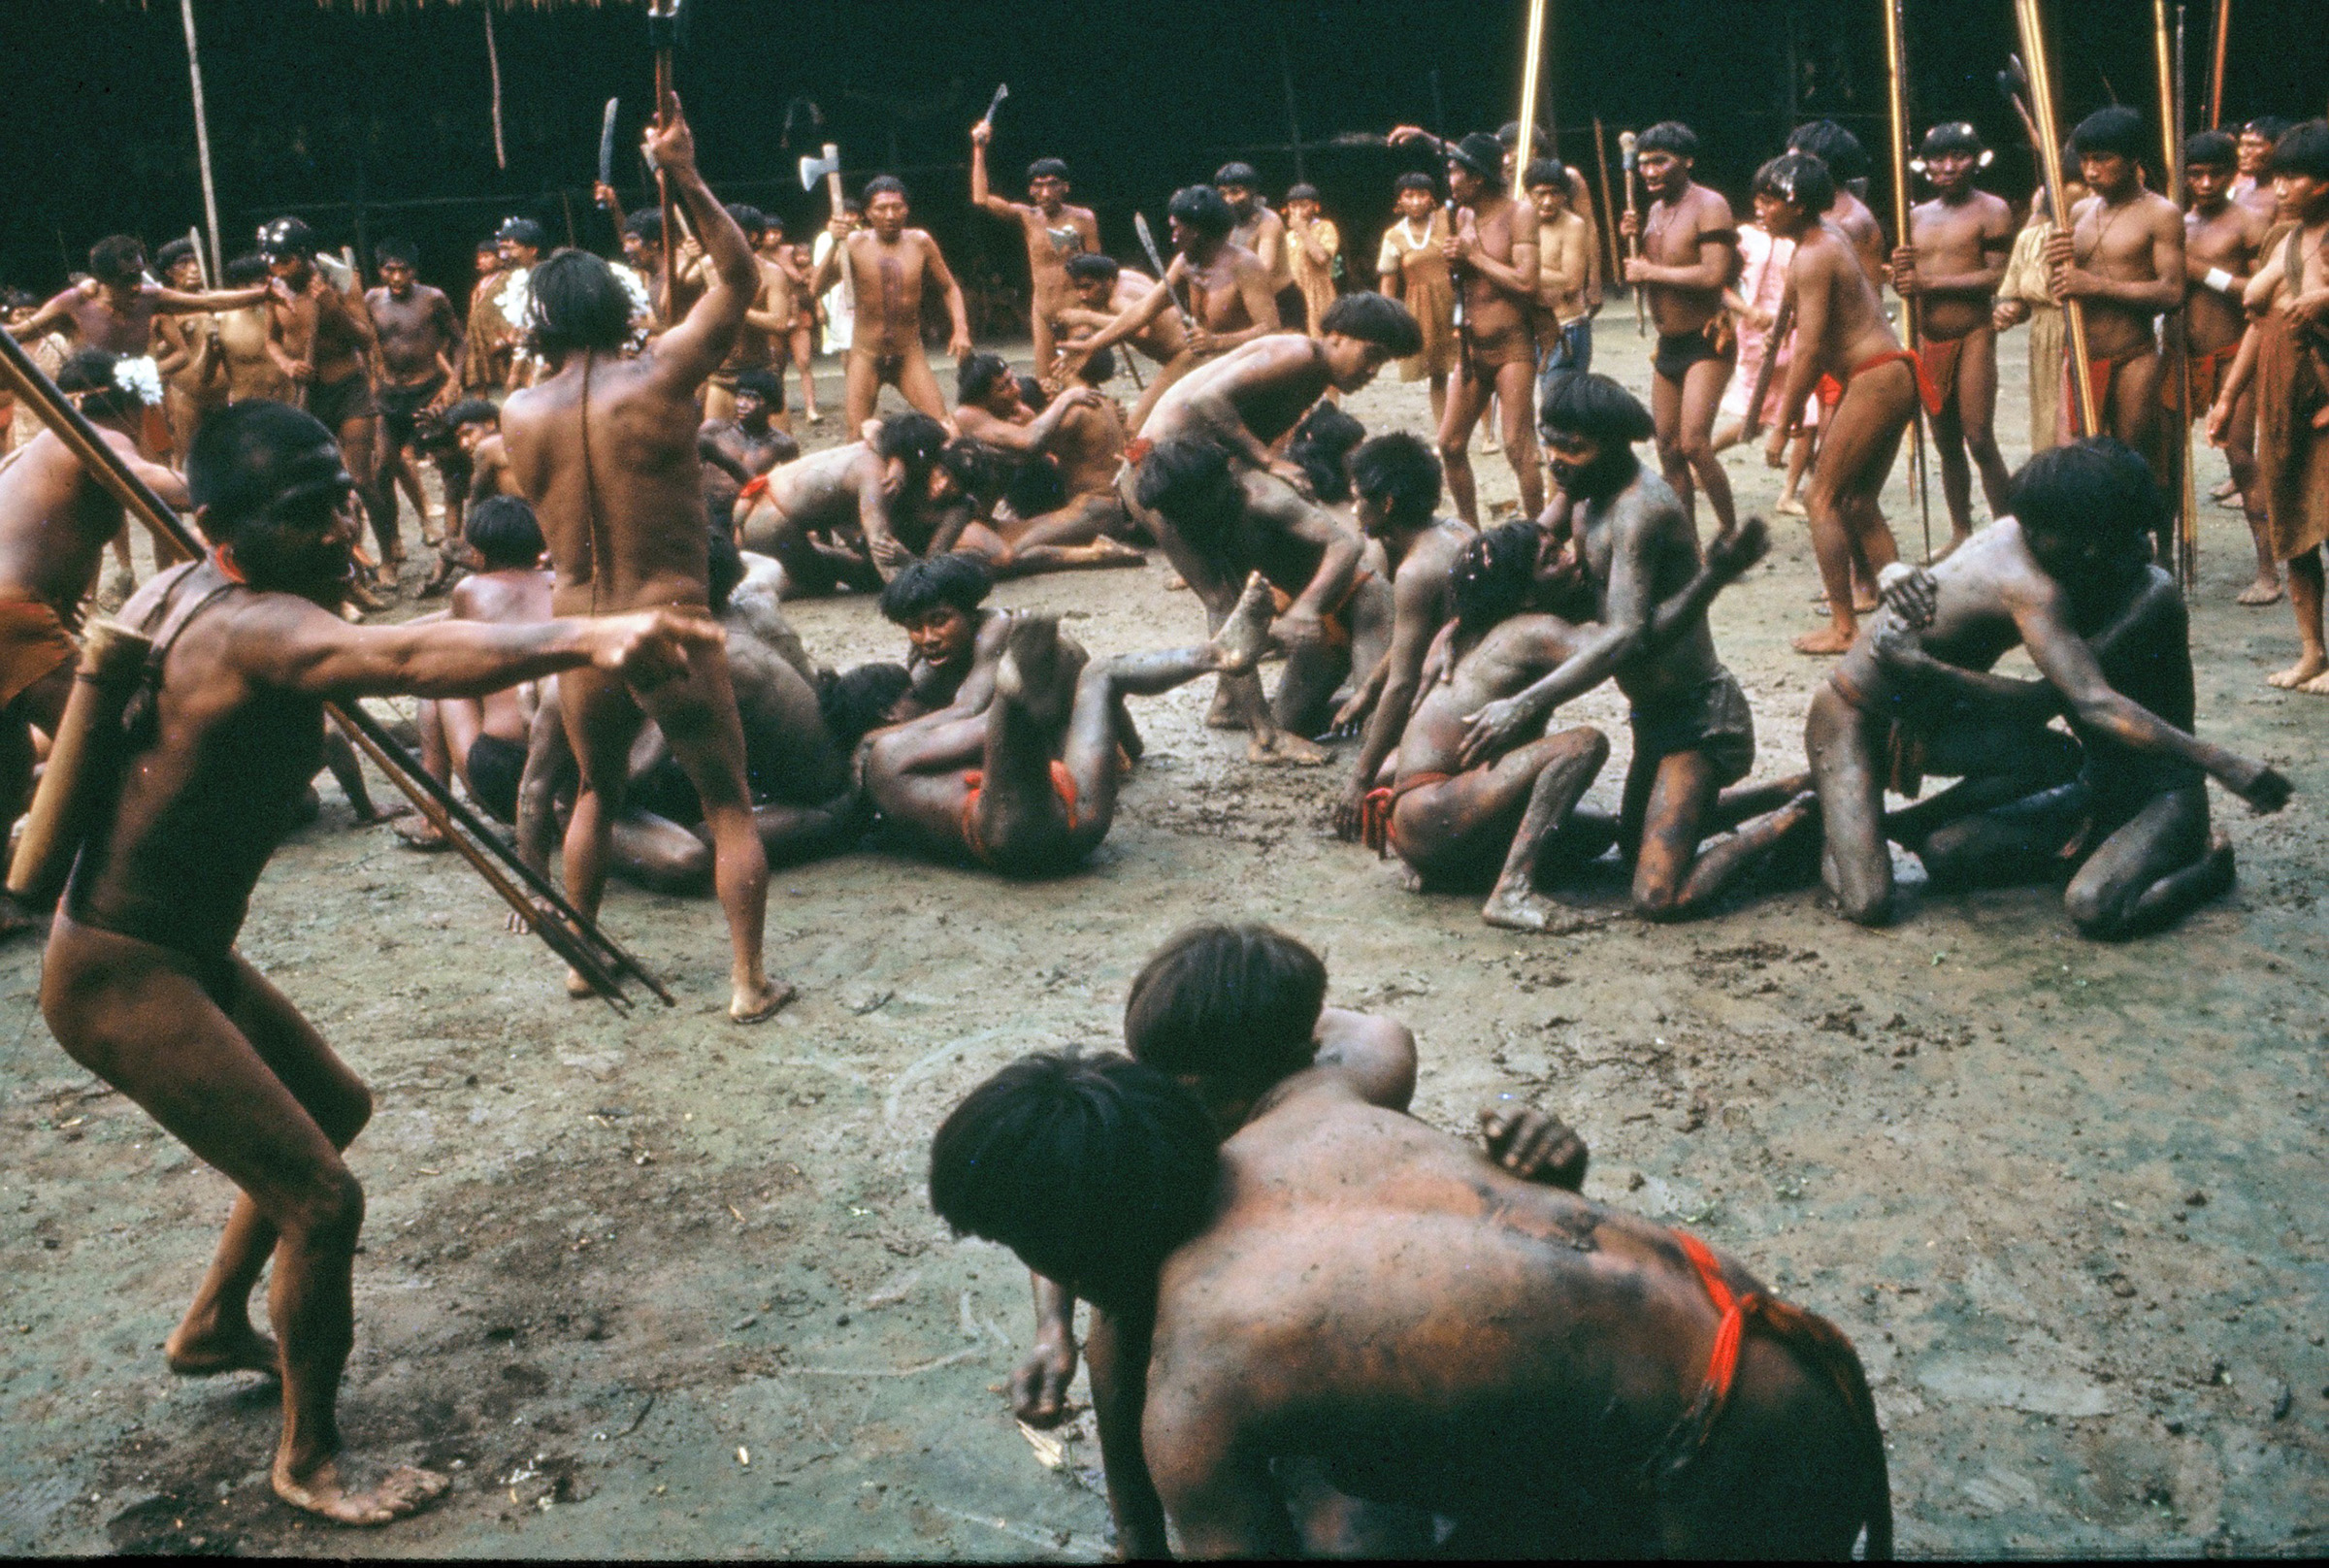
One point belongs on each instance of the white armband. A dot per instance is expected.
(2223, 282)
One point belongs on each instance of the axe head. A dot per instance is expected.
(1625, 148)
(1003, 90)
(813, 170)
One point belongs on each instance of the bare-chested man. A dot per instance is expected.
(1848, 166)
(1284, 1297)
(1493, 257)
(246, 337)
(606, 446)
(1262, 232)
(189, 360)
(1690, 251)
(764, 343)
(1564, 261)
(1100, 290)
(1053, 232)
(2222, 243)
(116, 307)
(2286, 360)
(2123, 261)
(2042, 579)
(1950, 267)
(141, 984)
(421, 349)
(1079, 435)
(55, 520)
(1224, 286)
(1027, 786)
(745, 443)
(850, 516)
(888, 266)
(2254, 188)
(954, 642)
(1395, 482)
(1841, 332)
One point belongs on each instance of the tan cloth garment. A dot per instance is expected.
(1429, 290)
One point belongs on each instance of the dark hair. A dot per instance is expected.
(762, 383)
(1799, 177)
(976, 376)
(1303, 191)
(171, 255)
(1374, 318)
(1400, 472)
(1668, 136)
(775, 223)
(250, 456)
(402, 251)
(1834, 145)
(2098, 485)
(1950, 136)
(851, 207)
(1099, 368)
(723, 567)
(1092, 1170)
(470, 411)
(1203, 208)
(1547, 172)
(1596, 407)
(287, 236)
(118, 259)
(1236, 1004)
(980, 468)
(490, 246)
(748, 218)
(1509, 133)
(860, 700)
(2303, 150)
(1416, 181)
(578, 303)
(2272, 127)
(1086, 266)
(503, 531)
(522, 231)
(646, 224)
(1493, 574)
(2211, 150)
(1479, 153)
(1047, 169)
(1032, 393)
(1242, 175)
(1035, 486)
(915, 439)
(884, 185)
(955, 579)
(2111, 130)
(1321, 444)
(244, 271)
(1179, 477)
(90, 372)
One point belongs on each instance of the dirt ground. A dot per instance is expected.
(663, 1286)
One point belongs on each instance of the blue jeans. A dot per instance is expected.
(1573, 353)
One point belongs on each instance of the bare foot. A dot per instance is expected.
(15, 918)
(1519, 909)
(2298, 674)
(1108, 552)
(1284, 747)
(2224, 490)
(1825, 644)
(1031, 672)
(755, 1006)
(420, 832)
(1245, 634)
(577, 987)
(383, 813)
(402, 1492)
(2263, 591)
(1789, 507)
(1222, 714)
(1174, 582)
(1865, 603)
(2319, 686)
(239, 1348)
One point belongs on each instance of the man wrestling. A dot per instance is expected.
(1028, 787)
(141, 984)
(1623, 1390)
(1053, 232)
(2041, 579)
(1102, 290)
(888, 267)
(1492, 255)
(1841, 333)
(619, 490)
(1078, 439)
(850, 517)
(1951, 265)
(953, 641)
(420, 353)
(1690, 251)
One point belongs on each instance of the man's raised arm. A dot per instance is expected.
(980, 196)
(692, 350)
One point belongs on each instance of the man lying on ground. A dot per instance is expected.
(851, 516)
(1077, 436)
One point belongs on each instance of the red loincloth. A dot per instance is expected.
(1063, 784)
(1374, 812)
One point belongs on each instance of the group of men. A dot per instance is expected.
(634, 511)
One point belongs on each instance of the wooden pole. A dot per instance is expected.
(2177, 336)
(2046, 131)
(201, 135)
(662, 27)
(2215, 73)
(1532, 58)
(1609, 212)
(1633, 242)
(1896, 69)
(493, 66)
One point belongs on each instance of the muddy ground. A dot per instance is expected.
(667, 1286)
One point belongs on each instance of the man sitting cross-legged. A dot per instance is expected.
(1340, 1284)
(1229, 1011)
(1028, 787)
(850, 516)
(2061, 566)
(1636, 549)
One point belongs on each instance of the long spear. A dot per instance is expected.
(1532, 52)
(1609, 212)
(2046, 135)
(2178, 345)
(1897, 66)
(570, 934)
(2215, 75)
(662, 33)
